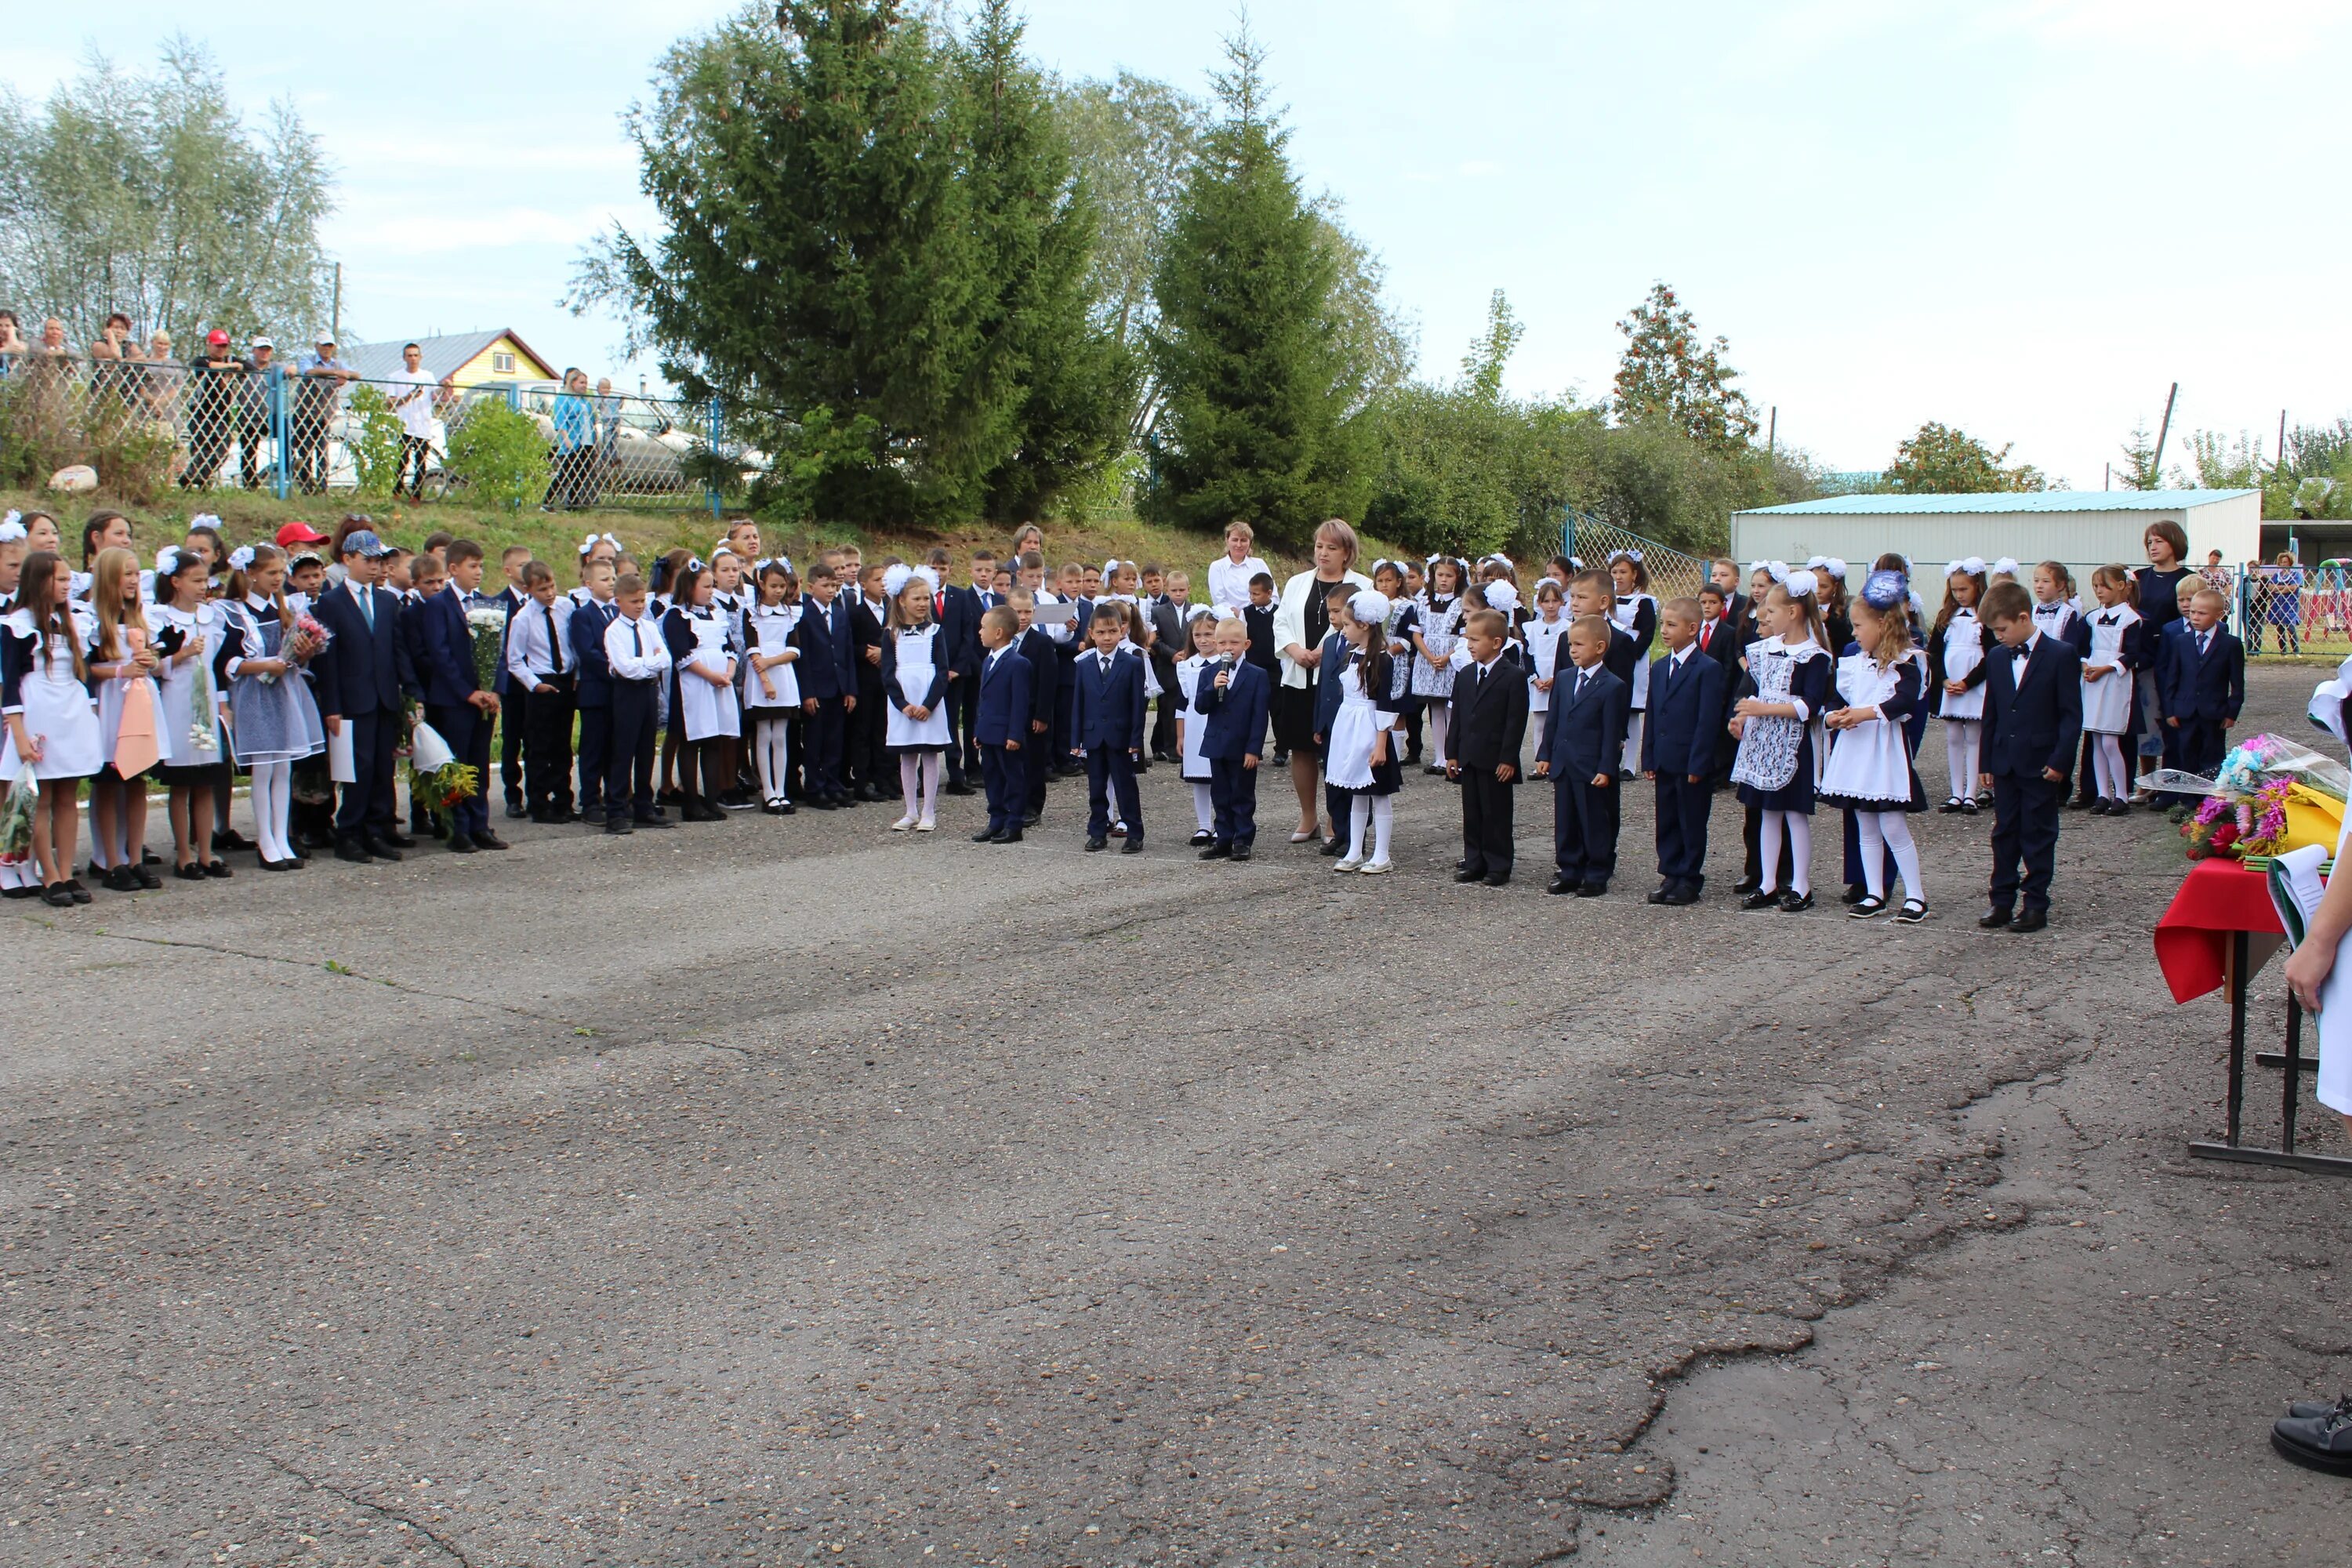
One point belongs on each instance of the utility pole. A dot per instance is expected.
(2155, 467)
(2278, 460)
(336, 324)
(2107, 477)
(1772, 431)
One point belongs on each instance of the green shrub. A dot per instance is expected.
(374, 441)
(497, 454)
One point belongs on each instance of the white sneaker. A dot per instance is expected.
(926, 825)
(1379, 867)
(1352, 863)
(903, 824)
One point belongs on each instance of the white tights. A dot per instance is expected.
(1440, 710)
(1881, 831)
(2107, 767)
(1800, 850)
(1963, 746)
(920, 771)
(1204, 808)
(273, 800)
(772, 748)
(1631, 759)
(1380, 812)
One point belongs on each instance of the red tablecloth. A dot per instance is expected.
(2192, 939)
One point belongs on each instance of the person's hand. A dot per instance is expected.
(919, 714)
(766, 686)
(1748, 708)
(1603, 781)
(1223, 678)
(2174, 722)
(144, 659)
(1543, 683)
(808, 704)
(1011, 745)
(1736, 726)
(1453, 769)
(542, 689)
(486, 701)
(1698, 778)
(334, 723)
(2229, 723)
(1505, 772)
(1134, 753)
(2095, 672)
(31, 751)
(1036, 726)
(1249, 762)
(1318, 741)
(2307, 969)
(1381, 749)
(1077, 751)
(1651, 774)
(874, 655)
(1984, 781)
(1542, 770)
(2053, 775)
(849, 705)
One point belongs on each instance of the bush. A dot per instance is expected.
(374, 442)
(50, 418)
(497, 454)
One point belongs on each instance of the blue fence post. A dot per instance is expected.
(717, 507)
(281, 481)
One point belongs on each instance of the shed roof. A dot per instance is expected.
(2000, 501)
(441, 357)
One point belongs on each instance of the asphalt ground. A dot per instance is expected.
(788, 1190)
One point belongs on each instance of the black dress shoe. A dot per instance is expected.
(1032, 820)
(354, 852)
(1498, 878)
(1010, 836)
(957, 786)
(191, 873)
(618, 825)
(266, 864)
(26, 891)
(397, 840)
(231, 839)
(1466, 874)
(81, 894)
(2315, 1442)
(486, 840)
(119, 879)
(2312, 1409)
(1333, 846)
(1217, 852)
(1993, 919)
(57, 895)
(1746, 885)
(2031, 921)
(1681, 897)
(1097, 842)
(1854, 893)
(1134, 845)
(461, 844)
(382, 850)
(1203, 838)
(820, 803)
(1662, 893)
(785, 808)
(144, 877)
(1760, 899)
(592, 815)
(988, 836)
(1562, 885)
(650, 824)
(1796, 903)
(148, 856)
(1592, 890)
(1241, 852)
(515, 809)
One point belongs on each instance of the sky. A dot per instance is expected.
(2023, 217)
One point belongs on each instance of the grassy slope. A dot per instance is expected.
(556, 539)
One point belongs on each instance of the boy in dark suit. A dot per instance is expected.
(869, 757)
(1106, 728)
(512, 704)
(2200, 681)
(539, 663)
(458, 710)
(1481, 748)
(358, 680)
(592, 612)
(958, 608)
(828, 680)
(1680, 746)
(1167, 619)
(427, 577)
(1592, 593)
(2033, 717)
(1001, 725)
(1045, 697)
(1583, 736)
(1233, 699)
(637, 662)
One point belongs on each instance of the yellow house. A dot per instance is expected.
(463, 359)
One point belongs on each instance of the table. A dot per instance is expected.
(2217, 933)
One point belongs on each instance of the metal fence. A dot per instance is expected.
(204, 425)
(2288, 609)
(1673, 575)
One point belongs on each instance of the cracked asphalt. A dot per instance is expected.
(792, 1190)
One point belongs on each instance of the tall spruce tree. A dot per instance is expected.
(1059, 383)
(1260, 390)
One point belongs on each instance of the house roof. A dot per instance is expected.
(442, 356)
(2000, 501)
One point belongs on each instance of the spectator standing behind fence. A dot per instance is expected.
(608, 443)
(318, 398)
(109, 353)
(575, 443)
(214, 377)
(2282, 588)
(253, 410)
(411, 391)
(12, 334)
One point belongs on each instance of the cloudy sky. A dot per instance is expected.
(2026, 217)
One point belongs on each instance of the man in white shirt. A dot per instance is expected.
(1230, 575)
(410, 389)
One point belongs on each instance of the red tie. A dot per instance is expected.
(939, 606)
(1704, 633)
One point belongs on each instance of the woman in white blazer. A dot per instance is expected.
(1300, 623)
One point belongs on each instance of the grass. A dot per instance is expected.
(645, 532)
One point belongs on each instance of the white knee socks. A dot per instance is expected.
(1962, 739)
(273, 799)
(770, 736)
(2108, 766)
(1881, 831)
(1800, 851)
(1377, 812)
(1439, 713)
(909, 781)
(930, 766)
(1204, 808)
(1631, 760)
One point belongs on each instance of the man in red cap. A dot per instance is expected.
(298, 533)
(214, 378)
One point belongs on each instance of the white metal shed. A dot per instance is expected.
(2082, 529)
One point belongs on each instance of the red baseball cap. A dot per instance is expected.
(217, 338)
(299, 533)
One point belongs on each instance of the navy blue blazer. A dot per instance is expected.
(362, 671)
(1044, 674)
(442, 650)
(2037, 724)
(509, 600)
(959, 610)
(592, 684)
(1329, 692)
(1107, 708)
(1232, 720)
(827, 666)
(933, 689)
(2190, 685)
(1686, 714)
(1585, 735)
(1005, 701)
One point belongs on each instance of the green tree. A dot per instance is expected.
(148, 194)
(497, 454)
(1482, 367)
(1251, 347)
(1941, 459)
(2139, 466)
(1669, 374)
(374, 442)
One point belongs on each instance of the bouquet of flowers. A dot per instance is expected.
(305, 640)
(16, 815)
(488, 627)
(2269, 796)
(437, 778)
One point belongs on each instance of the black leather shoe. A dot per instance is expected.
(1498, 878)
(1134, 845)
(382, 850)
(1562, 885)
(1217, 852)
(1241, 852)
(2030, 921)
(231, 839)
(1993, 919)
(820, 803)
(988, 836)
(1010, 836)
(461, 844)
(355, 853)
(149, 857)
(957, 786)
(397, 840)
(2315, 1442)
(1663, 893)
(1795, 904)
(1760, 899)
(1681, 897)
(618, 825)
(1097, 842)
(1592, 890)
(1469, 876)
(650, 824)
(515, 809)
(1746, 885)
(1203, 839)
(2313, 1409)
(486, 840)
(1333, 846)
(1854, 893)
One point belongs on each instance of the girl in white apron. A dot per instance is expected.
(1190, 726)
(2118, 648)
(1360, 757)
(273, 719)
(121, 671)
(1634, 608)
(1544, 634)
(1435, 644)
(52, 723)
(1774, 766)
(187, 630)
(703, 708)
(915, 660)
(772, 691)
(1869, 771)
(1957, 644)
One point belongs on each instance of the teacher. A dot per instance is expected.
(1300, 623)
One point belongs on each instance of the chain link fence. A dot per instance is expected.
(1673, 575)
(147, 426)
(2288, 609)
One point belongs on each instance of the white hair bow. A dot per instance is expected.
(1777, 571)
(1633, 555)
(1502, 596)
(203, 520)
(1801, 582)
(695, 564)
(167, 561)
(925, 575)
(241, 558)
(2006, 566)
(1973, 565)
(1199, 612)
(1835, 567)
(591, 542)
(895, 580)
(1368, 605)
(12, 527)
